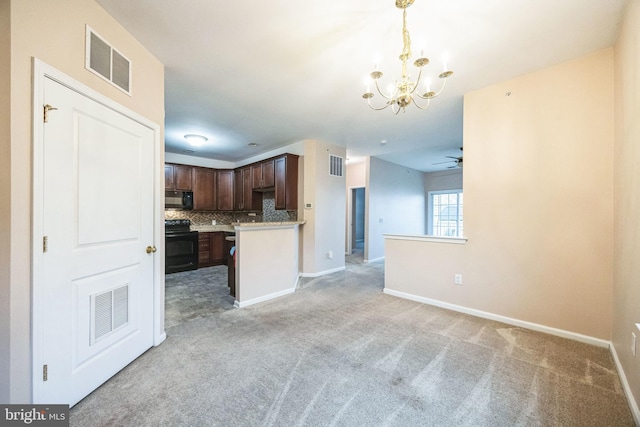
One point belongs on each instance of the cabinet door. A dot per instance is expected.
(182, 177)
(247, 192)
(204, 249)
(256, 176)
(281, 183)
(168, 177)
(238, 188)
(217, 248)
(268, 178)
(204, 193)
(286, 182)
(225, 190)
(177, 177)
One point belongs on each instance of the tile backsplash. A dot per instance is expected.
(268, 214)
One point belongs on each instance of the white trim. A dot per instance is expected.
(253, 226)
(253, 301)
(368, 261)
(625, 386)
(498, 318)
(425, 238)
(322, 273)
(42, 71)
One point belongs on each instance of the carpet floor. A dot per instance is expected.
(339, 352)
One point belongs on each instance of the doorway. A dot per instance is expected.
(356, 221)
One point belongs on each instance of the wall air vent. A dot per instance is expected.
(105, 61)
(335, 165)
(109, 311)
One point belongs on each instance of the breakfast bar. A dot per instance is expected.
(266, 260)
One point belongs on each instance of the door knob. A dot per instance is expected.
(151, 249)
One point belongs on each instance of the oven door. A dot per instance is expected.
(181, 251)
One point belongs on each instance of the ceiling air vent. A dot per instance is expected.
(105, 61)
(335, 165)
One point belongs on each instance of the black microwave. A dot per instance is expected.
(178, 200)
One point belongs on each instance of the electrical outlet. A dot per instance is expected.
(330, 254)
(458, 279)
(633, 343)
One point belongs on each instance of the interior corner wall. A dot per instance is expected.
(626, 292)
(54, 32)
(5, 193)
(538, 195)
(324, 231)
(394, 203)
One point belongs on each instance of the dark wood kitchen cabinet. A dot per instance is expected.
(286, 182)
(204, 189)
(211, 249)
(224, 192)
(262, 175)
(178, 177)
(245, 198)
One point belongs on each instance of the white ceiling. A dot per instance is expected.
(277, 72)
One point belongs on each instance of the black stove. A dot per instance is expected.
(172, 226)
(181, 246)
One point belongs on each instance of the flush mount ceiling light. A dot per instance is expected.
(403, 91)
(195, 140)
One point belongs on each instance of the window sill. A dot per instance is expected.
(426, 238)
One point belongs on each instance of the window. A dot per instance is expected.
(445, 213)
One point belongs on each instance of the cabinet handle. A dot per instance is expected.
(151, 249)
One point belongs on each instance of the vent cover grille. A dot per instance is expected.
(110, 311)
(335, 165)
(105, 61)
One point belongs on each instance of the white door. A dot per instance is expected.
(94, 302)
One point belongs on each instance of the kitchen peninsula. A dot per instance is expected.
(266, 260)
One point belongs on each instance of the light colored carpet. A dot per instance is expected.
(339, 352)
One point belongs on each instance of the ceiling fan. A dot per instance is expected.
(456, 160)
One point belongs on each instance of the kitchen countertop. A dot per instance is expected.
(211, 228)
(230, 228)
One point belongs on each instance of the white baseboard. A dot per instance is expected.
(263, 298)
(374, 260)
(322, 273)
(508, 320)
(625, 386)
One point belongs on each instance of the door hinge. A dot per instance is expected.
(45, 243)
(47, 108)
(45, 374)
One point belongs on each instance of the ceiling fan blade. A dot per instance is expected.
(448, 161)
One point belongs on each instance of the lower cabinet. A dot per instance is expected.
(211, 249)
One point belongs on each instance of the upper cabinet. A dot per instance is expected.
(262, 174)
(238, 189)
(204, 189)
(286, 182)
(245, 198)
(224, 187)
(178, 177)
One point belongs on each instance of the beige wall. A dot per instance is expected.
(626, 290)
(5, 191)
(54, 32)
(324, 231)
(538, 187)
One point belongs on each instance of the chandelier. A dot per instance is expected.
(403, 92)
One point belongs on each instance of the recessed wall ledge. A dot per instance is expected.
(426, 238)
